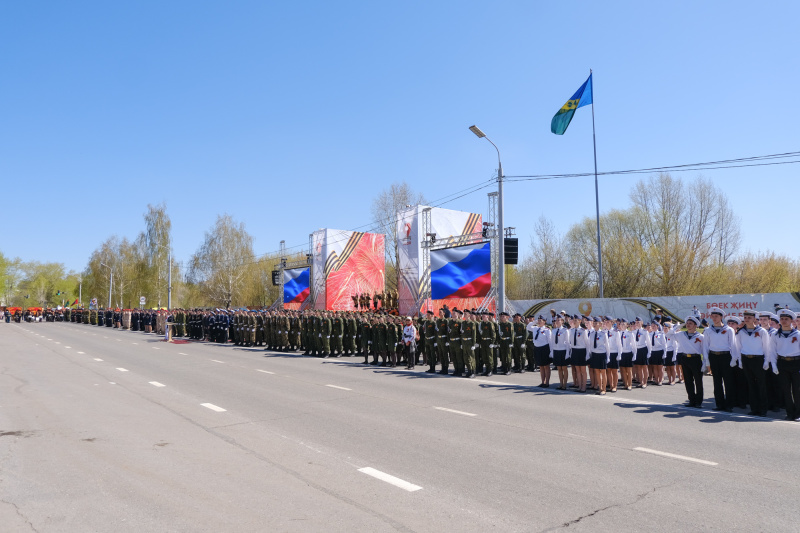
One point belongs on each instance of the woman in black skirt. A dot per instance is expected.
(577, 351)
(559, 348)
(600, 354)
(612, 370)
(627, 348)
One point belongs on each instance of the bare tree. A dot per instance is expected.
(683, 228)
(551, 269)
(384, 211)
(155, 245)
(221, 264)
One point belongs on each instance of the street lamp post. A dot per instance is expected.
(110, 283)
(501, 275)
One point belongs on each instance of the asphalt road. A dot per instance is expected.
(106, 430)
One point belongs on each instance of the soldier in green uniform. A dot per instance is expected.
(379, 339)
(366, 337)
(469, 343)
(442, 340)
(337, 330)
(429, 329)
(486, 337)
(391, 341)
(531, 366)
(305, 324)
(454, 331)
(520, 336)
(252, 322)
(350, 334)
(294, 331)
(282, 331)
(506, 330)
(325, 329)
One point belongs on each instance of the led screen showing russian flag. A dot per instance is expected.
(296, 287)
(461, 272)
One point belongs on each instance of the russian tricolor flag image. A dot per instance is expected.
(295, 285)
(461, 272)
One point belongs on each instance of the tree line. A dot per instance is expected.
(678, 237)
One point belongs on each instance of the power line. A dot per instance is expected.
(677, 168)
(376, 225)
(751, 161)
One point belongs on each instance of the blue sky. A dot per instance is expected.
(292, 116)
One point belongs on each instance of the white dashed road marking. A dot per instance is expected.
(674, 456)
(454, 411)
(156, 384)
(81, 353)
(337, 387)
(223, 362)
(396, 481)
(122, 369)
(96, 359)
(213, 407)
(264, 371)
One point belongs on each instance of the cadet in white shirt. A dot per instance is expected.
(659, 346)
(670, 353)
(721, 353)
(739, 378)
(612, 370)
(560, 348)
(691, 355)
(541, 350)
(598, 343)
(771, 323)
(787, 348)
(758, 354)
(578, 353)
(627, 348)
(642, 343)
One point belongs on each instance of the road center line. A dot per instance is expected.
(264, 371)
(181, 353)
(122, 369)
(674, 456)
(156, 384)
(454, 411)
(81, 353)
(396, 481)
(337, 387)
(156, 348)
(96, 359)
(67, 347)
(223, 362)
(213, 407)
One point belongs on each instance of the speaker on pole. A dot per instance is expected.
(511, 247)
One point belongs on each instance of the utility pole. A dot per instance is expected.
(169, 282)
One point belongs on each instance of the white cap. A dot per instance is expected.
(732, 318)
(716, 310)
(787, 312)
(692, 318)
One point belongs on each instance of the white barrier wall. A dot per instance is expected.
(676, 307)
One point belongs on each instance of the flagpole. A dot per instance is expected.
(597, 196)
